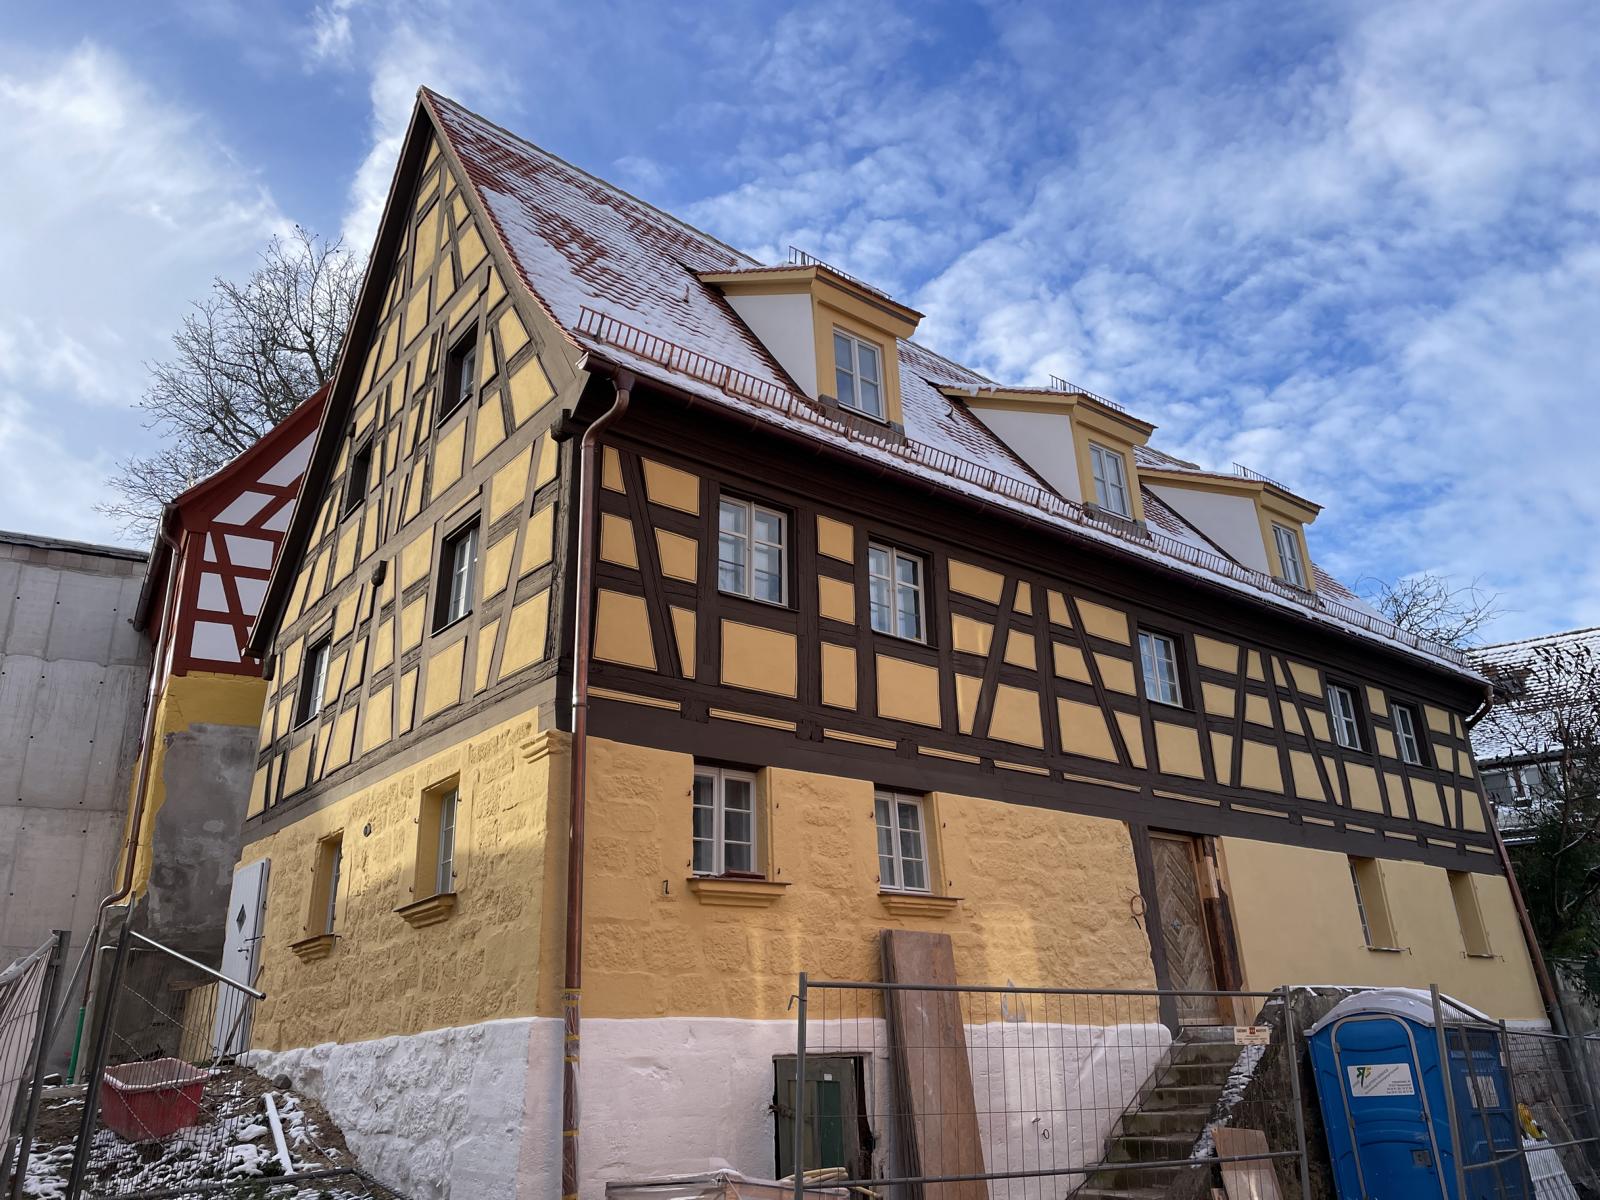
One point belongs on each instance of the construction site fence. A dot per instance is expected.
(1524, 1123)
(29, 991)
(958, 1092)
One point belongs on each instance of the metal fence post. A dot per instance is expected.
(800, 1094)
(1449, 1090)
(41, 1050)
(1293, 1053)
(97, 1066)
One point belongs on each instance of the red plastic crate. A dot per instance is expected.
(147, 1100)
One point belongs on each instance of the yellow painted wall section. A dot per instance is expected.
(1043, 894)
(1295, 913)
(385, 977)
(201, 697)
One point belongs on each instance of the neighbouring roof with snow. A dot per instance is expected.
(623, 280)
(1533, 676)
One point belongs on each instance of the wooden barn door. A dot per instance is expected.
(1190, 965)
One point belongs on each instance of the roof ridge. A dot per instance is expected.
(1538, 637)
(440, 99)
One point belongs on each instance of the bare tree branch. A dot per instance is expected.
(1430, 606)
(246, 355)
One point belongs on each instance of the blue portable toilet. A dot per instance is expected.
(1381, 1088)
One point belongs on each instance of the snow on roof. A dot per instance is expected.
(621, 279)
(1532, 676)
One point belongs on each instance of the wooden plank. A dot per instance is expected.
(928, 1045)
(1246, 1180)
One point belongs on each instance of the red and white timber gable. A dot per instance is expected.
(228, 529)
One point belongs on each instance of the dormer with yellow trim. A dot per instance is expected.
(837, 337)
(1081, 445)
(1255, 521)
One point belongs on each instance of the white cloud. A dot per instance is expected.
(119, 208)
(1352, 248)
(400, 47)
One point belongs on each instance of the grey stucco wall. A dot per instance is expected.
(207, 771)
(73, 676)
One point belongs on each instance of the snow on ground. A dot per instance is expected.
(231, 1143)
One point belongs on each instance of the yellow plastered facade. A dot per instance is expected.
(385, 977)
(1295, 913)
(1042, 894)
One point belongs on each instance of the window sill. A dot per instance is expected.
(421, 913)
(918, 904)
(312, 948)
(778, 604)
(737, 893)
(449, 625)
(900, 637)
(1389, 949)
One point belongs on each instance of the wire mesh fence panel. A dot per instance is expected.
(169, 1111)
(1521, 1107)
(27, 991)
(1003, 1093)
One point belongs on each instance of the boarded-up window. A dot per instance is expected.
(1474, 934)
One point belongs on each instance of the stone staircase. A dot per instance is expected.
(1165, 1121)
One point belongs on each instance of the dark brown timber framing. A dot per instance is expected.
(726, 454)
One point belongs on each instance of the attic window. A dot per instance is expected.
(857, 374)
(1110, 481)
(460, 374)
(1293, 570)
(355, 488)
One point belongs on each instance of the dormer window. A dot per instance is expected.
(1292, 567)
(858, 374)
(1110, 481)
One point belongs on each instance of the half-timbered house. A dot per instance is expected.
(794, 630)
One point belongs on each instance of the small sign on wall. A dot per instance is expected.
(1252, 1035)
(1382, 1079)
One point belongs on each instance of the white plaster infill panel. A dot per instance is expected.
(1229, 521)
(783, 324)
(1043, 440)
(472, 1113)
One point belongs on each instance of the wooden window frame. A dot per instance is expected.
(885, 797)
(1099, 456)
(1291, 566)
(1372, 905)
(852, 370)
(460, 380)
(434, 873)
(1407, 735)
(444, 614)
(1337, 722)
(308, 703)
(323, 913)
(1179, 683)
(1475, 939)
(749, 540)
(353, 494)
(919, 589)
(719, 777)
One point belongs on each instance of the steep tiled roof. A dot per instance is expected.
(621, 279)
(1532, 676)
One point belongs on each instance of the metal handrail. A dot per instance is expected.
(739, 383)
(799, 258)
(1244, 472)
(1058, 384)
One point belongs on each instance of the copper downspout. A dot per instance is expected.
(142, 788)
(583, 621)
(1547, 987)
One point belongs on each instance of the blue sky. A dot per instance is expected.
(1354, 246)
